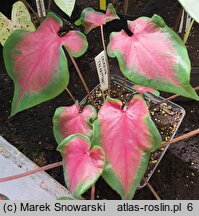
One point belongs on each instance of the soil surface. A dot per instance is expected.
(177, 176)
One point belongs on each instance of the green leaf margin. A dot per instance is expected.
(81, 188)
(56, 122)
(183, 73)
(109, 175)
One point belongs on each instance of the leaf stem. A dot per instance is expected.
(151, 189)
(78, 71)
(40, 169)
(180, 138)
(103, 95)
(93, 192)
(186, 36)
(70, 94)
(31, 9)
(170, 98)
(49, 5)
(106, 57)
(126, 3)
(177, 19)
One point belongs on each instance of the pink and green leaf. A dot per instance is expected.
(154, 56)
(37, 64)
(69, 120)
(82, 163)
(127, 137)
(91, 19)
(143, 89)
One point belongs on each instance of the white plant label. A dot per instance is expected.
(102, 69)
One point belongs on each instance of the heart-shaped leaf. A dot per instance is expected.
(154, 56)
(69, 120)
(66, 6)
(143, 89)
(91, 19)
(192, 8)
(37, 63)
(127, 137)
(20, 19)
(83, 165)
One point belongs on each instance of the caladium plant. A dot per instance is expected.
(91, 18)
(37, 64)
(83, 163)
(153, 56)
(115, 143)
(127, 135)
(70, 120)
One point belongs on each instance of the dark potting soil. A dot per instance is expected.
(31, 130)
